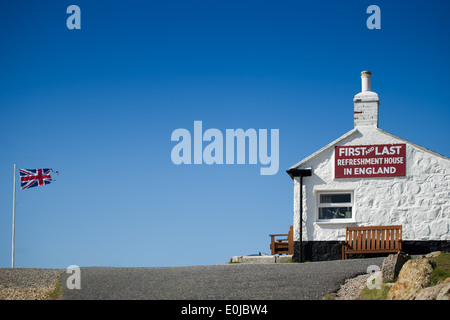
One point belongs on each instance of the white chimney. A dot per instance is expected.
(366, 77)
(366, 103)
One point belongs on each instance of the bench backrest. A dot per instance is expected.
(374, 238)
(283, 245)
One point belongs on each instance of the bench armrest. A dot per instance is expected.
(345, 244)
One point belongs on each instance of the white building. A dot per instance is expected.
(369, 177)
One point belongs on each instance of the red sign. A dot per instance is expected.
(379, 160)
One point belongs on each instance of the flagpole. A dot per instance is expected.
(14, 217)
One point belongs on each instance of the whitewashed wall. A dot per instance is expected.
(420, 201)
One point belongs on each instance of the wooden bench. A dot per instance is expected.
(375, 239)
(283, 245)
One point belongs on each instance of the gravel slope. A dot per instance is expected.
(27, 283)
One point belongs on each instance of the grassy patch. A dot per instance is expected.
(330, 296)
(57, 292)
(375, 294)
(442, 270)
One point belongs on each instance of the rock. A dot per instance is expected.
(438, 292)
(392, 265)
(413, 277)
(444, 293)
(433, 254)
(430, 293)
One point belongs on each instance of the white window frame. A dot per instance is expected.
(331, 205)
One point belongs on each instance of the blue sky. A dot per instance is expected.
(100, 104)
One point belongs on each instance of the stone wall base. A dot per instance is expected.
(332, 250)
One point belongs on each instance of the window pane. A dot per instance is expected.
(335, 213)
(335, 198)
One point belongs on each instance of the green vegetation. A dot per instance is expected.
(442, 269)
(330, 296)
(56, 293)
(376, 294)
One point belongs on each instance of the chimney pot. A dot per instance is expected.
(366, 77)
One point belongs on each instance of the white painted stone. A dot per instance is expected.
(440, 228)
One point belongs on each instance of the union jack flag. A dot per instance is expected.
(34, 177)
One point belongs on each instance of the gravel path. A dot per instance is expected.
(27, 284)
(306, 281)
